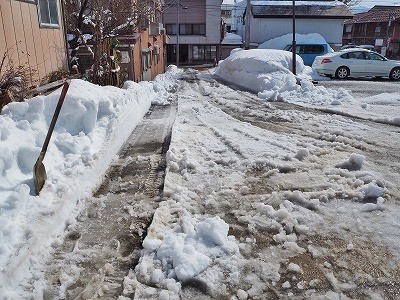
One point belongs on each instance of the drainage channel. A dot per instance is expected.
(106, 239)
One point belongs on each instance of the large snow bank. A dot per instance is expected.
(93, 124)
(260, 70)
(268, 73)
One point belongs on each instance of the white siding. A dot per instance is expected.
(262, 30)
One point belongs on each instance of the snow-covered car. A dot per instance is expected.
(356, 62)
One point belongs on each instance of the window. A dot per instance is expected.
(186, 29)
(205, 52)
(374, 56)
(192, 29)
(170, 29)
(307, 49)
(29, 1)
(314, 49)
(353, 55)
(48, 15)
(199, 29)
(349, 28)
(146, 59)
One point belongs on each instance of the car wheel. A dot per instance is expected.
(342, 72)
(395, 74)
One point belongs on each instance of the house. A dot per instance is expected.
(226, 15)
(200, 31)
(380, 27)
(32, 35)
(137, 40)
(144, 51)
(231, 41)
(271, 19)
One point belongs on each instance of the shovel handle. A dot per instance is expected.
(55, 116)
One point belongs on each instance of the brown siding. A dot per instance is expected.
(194, 14)
(42, 49)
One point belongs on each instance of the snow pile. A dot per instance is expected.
(274, 188)
(186, 254)
(268, 72)
(282, 41)
(174, 256)
(93, 124)
(232, 39)
(259, 70)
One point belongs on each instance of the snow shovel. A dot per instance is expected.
(39, 171)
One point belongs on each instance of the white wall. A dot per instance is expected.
(213, 21)
(262, 30)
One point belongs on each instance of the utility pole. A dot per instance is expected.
(247, 26)
(177, 34)
(294, 38)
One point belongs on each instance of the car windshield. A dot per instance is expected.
(288, 48)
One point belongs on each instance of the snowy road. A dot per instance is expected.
(364, 87)
(106, 241)
(305, 193)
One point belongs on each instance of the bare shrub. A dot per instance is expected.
(14, 81)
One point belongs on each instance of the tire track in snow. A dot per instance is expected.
(105, 241)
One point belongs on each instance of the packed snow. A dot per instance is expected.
(187, 240)
(282, 41)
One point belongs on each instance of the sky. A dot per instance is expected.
(208, 166)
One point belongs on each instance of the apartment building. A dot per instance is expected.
(200, 31)
(379, 27)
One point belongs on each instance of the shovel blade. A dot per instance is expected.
(39, 175)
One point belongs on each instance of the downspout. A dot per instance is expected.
(365, 33)
(65, 35)
(141, 58)
(132, 51)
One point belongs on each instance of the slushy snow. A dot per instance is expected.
(186, 240)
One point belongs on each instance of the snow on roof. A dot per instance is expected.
(299, 3)
(232, 39)
(303, 8)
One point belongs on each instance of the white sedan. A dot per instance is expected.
(356, 62)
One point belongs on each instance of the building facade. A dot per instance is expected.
(32, 35)
(200, 31)
(380, 27)
(271, 19)
(137, 41)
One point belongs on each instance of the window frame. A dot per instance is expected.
(44, 24)
(349, 28)
(204, 52)
(29, 1)
(187, 29)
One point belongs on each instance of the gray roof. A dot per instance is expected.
(301, 11)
